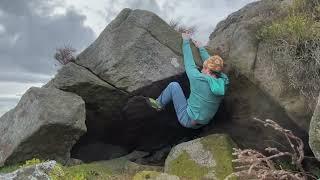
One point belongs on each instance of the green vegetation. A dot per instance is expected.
(221, 149)
(80, 172)
(146, 175)
(299, 25)
(184, 166)
(11, 168)
(294, 46)
(31, 162)
(59, 172)
(292, 29)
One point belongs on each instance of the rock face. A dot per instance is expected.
(38, 171)
(45, 124)
(314, 132)
(103, 101)
(245, 101)
(257, 89)
(154, 175)
(137, 54)
(135, 50)
(236, 39)
(204, 158)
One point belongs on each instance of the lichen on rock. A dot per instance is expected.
(208, 157)
(154, 175)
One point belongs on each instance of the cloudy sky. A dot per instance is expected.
(31, 30)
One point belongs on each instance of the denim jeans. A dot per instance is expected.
(173, 92)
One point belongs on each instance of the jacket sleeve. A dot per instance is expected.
(190, 66)
(204, 53)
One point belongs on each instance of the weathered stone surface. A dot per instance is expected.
(314, 132)
(103, 101)
(45, 124)
(208, 157)
(244, 102)
(135, 50)
(154, 175)
(39, 172)
(137, 54)
(236, 39)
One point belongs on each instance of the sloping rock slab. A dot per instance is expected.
(135, 50)
(45, 124)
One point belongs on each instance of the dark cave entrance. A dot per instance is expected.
(136, 128)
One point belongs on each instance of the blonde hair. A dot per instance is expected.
(214, 63)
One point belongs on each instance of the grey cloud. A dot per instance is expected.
(31, 35)
(23, 77)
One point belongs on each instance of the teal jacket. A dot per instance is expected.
(206, 91)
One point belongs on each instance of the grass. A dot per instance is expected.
(299, 25)
(59, 172)
(294, 44)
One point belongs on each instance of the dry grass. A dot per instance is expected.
(295, 47)
(301, 64)
(177, 25)
(65, 55)
(251, 164)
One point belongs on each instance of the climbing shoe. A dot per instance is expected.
(154, 104)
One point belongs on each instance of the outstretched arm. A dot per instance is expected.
(190, 66)
(203, 52)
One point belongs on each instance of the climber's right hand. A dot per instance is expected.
(197, 43)
(186, 35)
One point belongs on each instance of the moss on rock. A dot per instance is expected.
(208, 157)
(154, 175)
(115, 169)
(220, 145)
(184, 166)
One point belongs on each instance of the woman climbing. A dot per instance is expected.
(207, 88)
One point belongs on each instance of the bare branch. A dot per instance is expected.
(251, 164)
(65, 55)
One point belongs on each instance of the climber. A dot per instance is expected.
(207, 88)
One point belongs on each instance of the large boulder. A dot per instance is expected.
(135, 50)
(244, 102)
(137, 54)
(208, 157)
(45, 124)
(103, 101)
(236, 39)
(314, 132)
(257, 88)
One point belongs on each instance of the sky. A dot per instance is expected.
(32, 30)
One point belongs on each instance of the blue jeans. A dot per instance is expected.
(173, 92)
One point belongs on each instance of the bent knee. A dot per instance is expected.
(175, 85)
